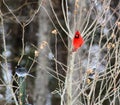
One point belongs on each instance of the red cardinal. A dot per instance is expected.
(77, 41)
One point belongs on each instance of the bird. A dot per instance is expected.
(21, 71)
(77, 41)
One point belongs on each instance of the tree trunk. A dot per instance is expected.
(41, 82)
(73, 76)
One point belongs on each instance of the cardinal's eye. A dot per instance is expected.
(76, 36)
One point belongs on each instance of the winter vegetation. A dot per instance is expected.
(38, 35)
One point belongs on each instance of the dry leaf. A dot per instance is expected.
(88, 81)
(54, 32)
(113, 35)
(110, 45)
(43, 44)
(36, 53)
(90, 71)
(118, 24)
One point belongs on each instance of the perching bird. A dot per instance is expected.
(77, 41)
(21, 71)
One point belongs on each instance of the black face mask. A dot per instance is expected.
(76, 36)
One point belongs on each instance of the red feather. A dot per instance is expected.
(77, 41)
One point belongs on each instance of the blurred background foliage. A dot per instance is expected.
(21, 18)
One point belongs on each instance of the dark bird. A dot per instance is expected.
(21, 71)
